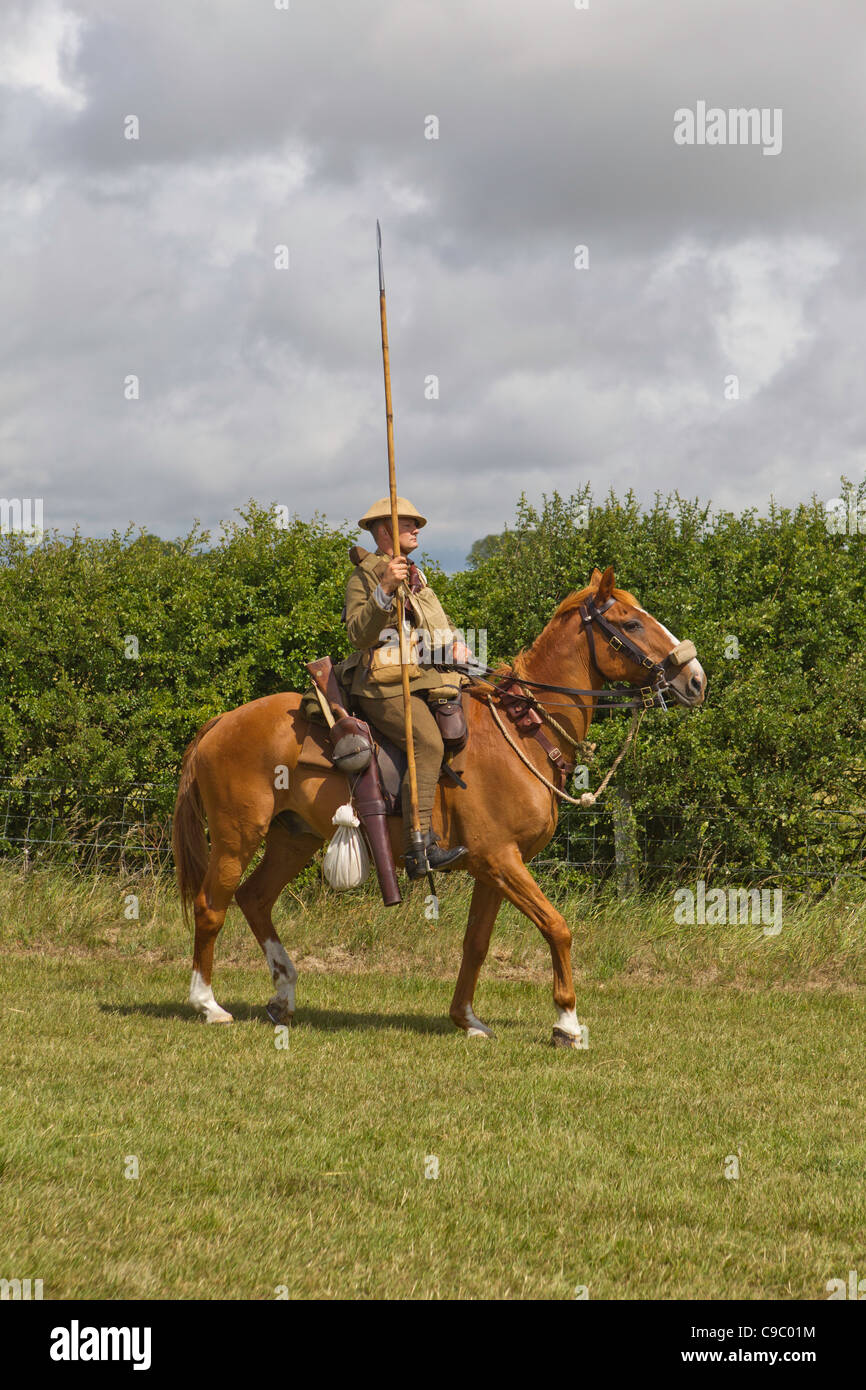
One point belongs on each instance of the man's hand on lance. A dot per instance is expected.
(397, 573)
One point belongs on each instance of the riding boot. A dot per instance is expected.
(439, 858)
(427, 854)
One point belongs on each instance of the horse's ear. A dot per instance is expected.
(605, 588)
(595, 578)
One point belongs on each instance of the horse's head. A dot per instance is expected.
(623, 637)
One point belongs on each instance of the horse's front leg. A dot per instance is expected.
(518, 885)
(482, 915)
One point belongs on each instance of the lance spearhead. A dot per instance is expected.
(379, 247)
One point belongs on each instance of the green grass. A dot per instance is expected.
(821, 943)
(305, 1167)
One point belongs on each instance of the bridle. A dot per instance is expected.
(648, 696)
(661, 672)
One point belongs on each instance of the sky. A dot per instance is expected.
(262, 127)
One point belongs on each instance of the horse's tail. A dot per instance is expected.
(188, 839)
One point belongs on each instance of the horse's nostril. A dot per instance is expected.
(696, 684)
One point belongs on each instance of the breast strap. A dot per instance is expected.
(516, 704)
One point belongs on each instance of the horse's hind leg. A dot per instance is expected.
(285, 855)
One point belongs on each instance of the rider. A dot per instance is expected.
(370, 615)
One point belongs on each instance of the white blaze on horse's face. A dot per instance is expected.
(689, 685)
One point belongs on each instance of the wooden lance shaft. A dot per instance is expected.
(395, 534)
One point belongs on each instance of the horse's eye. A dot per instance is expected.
(633, 626)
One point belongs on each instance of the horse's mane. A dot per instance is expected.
(565, 609)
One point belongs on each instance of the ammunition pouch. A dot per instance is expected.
(384, 665)
(451, 720)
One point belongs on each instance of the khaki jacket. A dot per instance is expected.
(367, 627)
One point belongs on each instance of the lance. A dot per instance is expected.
(415, 837)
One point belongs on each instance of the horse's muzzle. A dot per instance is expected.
(689, 687)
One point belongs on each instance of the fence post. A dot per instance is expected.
(624, 838)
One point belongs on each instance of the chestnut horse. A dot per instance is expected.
(504, 816)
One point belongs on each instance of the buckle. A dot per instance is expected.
(553, 754)
(648, 696)
(615, 643)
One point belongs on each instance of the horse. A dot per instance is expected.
(504, 815)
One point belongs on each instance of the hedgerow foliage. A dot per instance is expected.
(775, 605)
(215, 625)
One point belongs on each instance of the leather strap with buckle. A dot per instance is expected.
(516, 704)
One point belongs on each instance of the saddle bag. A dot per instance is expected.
(451, 719)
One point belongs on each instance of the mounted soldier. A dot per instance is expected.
(499, 812)
(370, 615)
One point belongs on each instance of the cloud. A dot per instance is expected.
(261, 128)
(39, 46)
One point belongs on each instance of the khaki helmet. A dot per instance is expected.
(381, 511)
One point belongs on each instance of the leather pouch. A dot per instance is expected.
(451, 719)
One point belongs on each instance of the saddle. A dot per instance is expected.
(375, 765)
(317, 751)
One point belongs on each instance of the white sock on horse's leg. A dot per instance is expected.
(567, 1021)
(473, 1026)
(202, 999)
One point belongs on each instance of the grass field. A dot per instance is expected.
(303, 1168)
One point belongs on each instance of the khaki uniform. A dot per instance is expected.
(366, 622)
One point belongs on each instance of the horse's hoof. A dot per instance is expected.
(463, 1018)
(563, 1039)
(218, 1015)
(279, 1014)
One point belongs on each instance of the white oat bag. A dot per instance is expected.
(347, 862)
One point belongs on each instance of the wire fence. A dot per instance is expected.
(828, 846)
(123, 826)
(130, 828)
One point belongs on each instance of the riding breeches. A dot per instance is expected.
(387, 715)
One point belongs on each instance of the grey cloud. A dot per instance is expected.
(260, 127)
